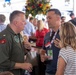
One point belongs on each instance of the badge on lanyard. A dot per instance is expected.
(47, 44)
(50, 54)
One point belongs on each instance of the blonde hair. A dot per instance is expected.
(68, 35)
(40, 25)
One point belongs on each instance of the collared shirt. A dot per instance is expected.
(51, 65)
(29, 28)
(2, 27)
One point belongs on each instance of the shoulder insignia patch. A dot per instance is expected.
(2, 41)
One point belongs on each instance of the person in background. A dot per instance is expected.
(45, 22)
(39, 36)
(31, 19)
(50, 52)
(2, 20)
(63, 18)
(29, 29)
(73, 18)
(12, 50)
(40, 33)
(32, 38)
(72, 15)
(67, 54)
(35, 23)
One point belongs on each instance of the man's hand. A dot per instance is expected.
(58, 43)
(27, 66)
(24, 66)
(43, 55)
(27, 45)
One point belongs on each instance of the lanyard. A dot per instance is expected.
(53, 38)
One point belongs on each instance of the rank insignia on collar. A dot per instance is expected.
(2, 41)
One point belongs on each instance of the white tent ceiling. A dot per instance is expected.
(12, 0)
(14, 4)
(7, 9)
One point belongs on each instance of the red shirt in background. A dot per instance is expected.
(40, 36)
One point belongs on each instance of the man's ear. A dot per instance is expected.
(15, 22)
